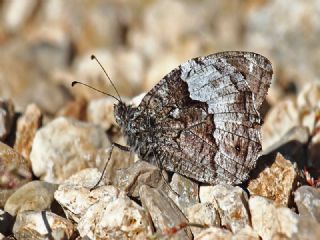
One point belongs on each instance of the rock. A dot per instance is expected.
(50, 97)
(187, 190)
(163, 211)
(203, 213)
(133, 76)
(6, 118)
(100, 111)
(288, 221)
(88, 72)
(307, 200)
(181, 38)
(158, 69)
(309, 97)
(268, 220)
(65, 146)
(101, 24)
(308, 104)
(133, 178)
(75, 197)
(16, 15)
(15, 71)
(15, 171)
(10, 237)
(166, 9)
(75, 109)
(214, 233)
(275, 181)
(313, 147)
(52, 40)
(42, 225)
(247, 233)
(298, 134)
(33, 73)
(119, 218)
(24, 74)
(291, 122)
(280, 236)
(6, 223)
(263, 217)
(4, 195)
(104, 212)
(107, 23)
(292, 145)
(127, 82)
(274, 16)
(120, 160)
(27, 127)
(279, 120)
(308, 228)
(309, 119)
(231, 203)
(35, 195)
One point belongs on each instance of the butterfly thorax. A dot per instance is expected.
(136, 126)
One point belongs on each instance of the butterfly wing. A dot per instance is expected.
(206, 119)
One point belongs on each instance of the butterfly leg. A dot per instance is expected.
(123, 148)
(159, 163)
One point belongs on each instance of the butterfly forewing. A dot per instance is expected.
(206, 123)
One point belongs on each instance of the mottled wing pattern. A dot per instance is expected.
(207, 124)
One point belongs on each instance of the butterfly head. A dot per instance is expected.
(120, 113)
(129, 118)
(124, 115)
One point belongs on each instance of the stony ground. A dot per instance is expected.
(55, 139)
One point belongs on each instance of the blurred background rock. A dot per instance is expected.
(45, 45)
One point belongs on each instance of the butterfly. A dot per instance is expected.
(202, 119)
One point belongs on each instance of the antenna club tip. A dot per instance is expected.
(73, 83)
(93, 57)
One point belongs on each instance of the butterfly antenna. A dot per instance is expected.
(93, 57)
(76, 82)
